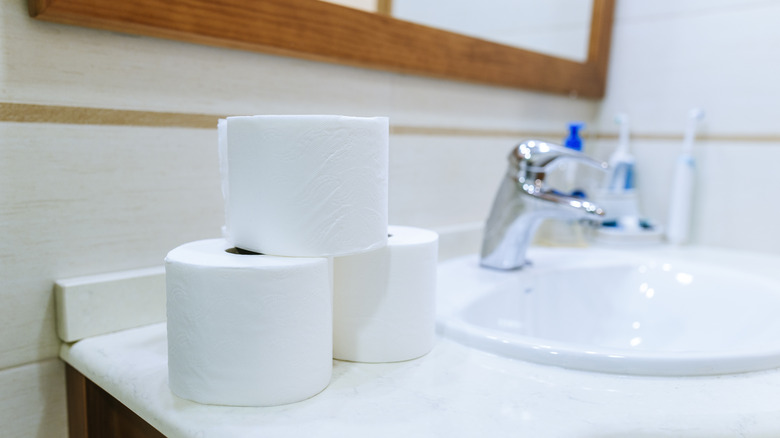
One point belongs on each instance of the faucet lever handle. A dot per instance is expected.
(532, 157)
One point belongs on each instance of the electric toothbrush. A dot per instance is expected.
(678, 225)
(621, 163)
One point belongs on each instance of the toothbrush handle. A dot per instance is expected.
(679, 223)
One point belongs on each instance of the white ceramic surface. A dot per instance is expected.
(454, 391)
(97, 304)
(661, 312)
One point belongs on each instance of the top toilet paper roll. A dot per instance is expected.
(307, 185)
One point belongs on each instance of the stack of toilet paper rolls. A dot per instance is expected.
(308, 269)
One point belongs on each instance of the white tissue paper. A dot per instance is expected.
(307, 185)
(223, 163)
(384, 300)
(247, 330)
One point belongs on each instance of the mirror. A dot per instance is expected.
(324, 31)
(554, 27)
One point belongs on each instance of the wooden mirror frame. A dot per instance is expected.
(327, 32)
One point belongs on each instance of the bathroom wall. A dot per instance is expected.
(669, 56)
(105, 163)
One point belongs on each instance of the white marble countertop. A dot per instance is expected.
(454, 391)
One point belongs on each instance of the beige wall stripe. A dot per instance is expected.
(32, 113)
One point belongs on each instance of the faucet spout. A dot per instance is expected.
(523, 201)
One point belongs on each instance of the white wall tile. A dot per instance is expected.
(720, 58)
(441, 181)
(32, 400)
(419, 101)
(735, 203)
(629, 10)
(79, 200)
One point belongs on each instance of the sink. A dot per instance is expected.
(662, 311)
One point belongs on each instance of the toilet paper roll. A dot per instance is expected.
(384, 300)
(307, 185)
(247, 330)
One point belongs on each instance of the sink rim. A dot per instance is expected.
(451, 323)
(610, 360)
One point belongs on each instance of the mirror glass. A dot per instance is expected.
(559, 28)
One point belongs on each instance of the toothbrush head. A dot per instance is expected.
(696, 114)
(621, 118)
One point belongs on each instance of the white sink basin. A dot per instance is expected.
(650, 312)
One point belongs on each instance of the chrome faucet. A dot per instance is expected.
(523, 201)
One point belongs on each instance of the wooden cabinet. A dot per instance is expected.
(94, 413)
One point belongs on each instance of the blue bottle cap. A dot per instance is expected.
(574, 141)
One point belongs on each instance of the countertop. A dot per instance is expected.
(454, 391)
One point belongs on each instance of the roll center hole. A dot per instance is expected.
(240, 251)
